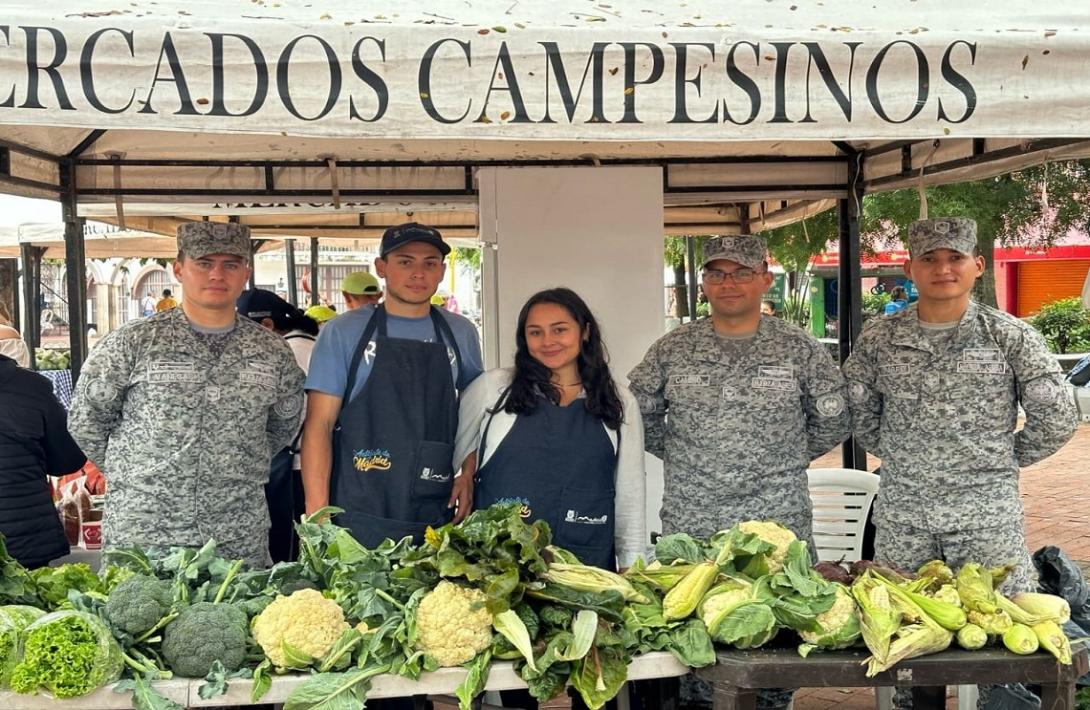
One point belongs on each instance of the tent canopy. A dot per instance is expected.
(103, 241)
(768, 103)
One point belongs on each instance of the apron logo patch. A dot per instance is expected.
(525, 511)
(371, 460)
(164, 371)
(573, 516)
(430, 474)
(691, 380)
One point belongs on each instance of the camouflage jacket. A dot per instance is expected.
(737, 433)
(943, 422)
(183, 437)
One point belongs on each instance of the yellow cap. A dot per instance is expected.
(320, 313)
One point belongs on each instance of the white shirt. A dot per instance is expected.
(629, 505)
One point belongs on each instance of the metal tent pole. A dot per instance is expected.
(690, 263)
(850, 291)
(293, 284)
(314, 300)
(32, 317)
(75, 256)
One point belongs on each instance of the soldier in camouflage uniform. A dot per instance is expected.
(736, 406)
(934, 392)
(183, 410)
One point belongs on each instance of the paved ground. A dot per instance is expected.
(1056, 497)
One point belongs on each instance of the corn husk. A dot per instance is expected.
(1020, 639)
(975, 587)
(995, 623)
(593, 579)
(971, 637)
(1053, 640)
(879, 619)
(917, 640)
(1046, 606)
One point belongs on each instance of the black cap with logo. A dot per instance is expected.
(398, 236)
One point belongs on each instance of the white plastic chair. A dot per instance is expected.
(842, 499)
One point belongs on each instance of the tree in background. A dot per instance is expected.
(674, 252)
(1033, 207)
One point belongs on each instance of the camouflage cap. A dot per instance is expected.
(956, 233)
(198, 239)
(744, 249)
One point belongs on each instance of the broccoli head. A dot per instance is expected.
(203, 634)
(137, 604)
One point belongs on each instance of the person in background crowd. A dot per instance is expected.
(378, 440)
(360, 288)
(898, 300)
(147, 306)
(320, 314)
(166, 302)
(183, 411)
(34, 444)
(768, 308)
(284, 491)
(737, 406)
(558, 435)
(11, 342)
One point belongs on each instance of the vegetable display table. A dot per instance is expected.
(441, 682)
(738, 674)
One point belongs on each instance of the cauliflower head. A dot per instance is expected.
(774, 534)
(452, 624)
(296, 630)
(839, 624)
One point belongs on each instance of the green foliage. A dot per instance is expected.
(468, 255)
(875, 303)
(1065, 325)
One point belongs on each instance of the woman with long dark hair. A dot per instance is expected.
(559, 436)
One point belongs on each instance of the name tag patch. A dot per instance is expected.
(982, 361)
(165, 371)
(770, 377)
(982, 368)
(896, 369)
(691, 380)
(257, 374)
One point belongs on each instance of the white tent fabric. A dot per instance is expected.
(756, 99)
(769, 70)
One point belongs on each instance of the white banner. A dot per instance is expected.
(760, 70)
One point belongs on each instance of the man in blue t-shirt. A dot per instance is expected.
(382, 410)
